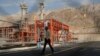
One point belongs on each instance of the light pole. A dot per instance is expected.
(41, 15)
(23, 21)
(23, 12)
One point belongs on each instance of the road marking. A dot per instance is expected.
(63, 50)
(11, 52)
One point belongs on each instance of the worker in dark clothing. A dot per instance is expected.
(47, 40)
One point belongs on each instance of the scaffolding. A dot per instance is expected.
(32, 33)
(54, 27)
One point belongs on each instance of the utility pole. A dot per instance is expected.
(23, 24)
(41, 15)
(23, 13)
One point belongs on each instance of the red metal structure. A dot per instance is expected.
(54, 27)
(31, 33)
(26, 34)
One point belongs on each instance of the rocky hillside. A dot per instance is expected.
(71, 17)
(81, 17)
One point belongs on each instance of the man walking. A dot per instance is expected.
(47, 40)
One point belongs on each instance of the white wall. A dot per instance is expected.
(85, 34)
(87, 37)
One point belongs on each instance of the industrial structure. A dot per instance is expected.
(32, 33)
(25, 33)
(55, 27)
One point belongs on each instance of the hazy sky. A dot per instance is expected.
(8, 7)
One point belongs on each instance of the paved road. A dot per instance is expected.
(90, 49)
(37, 52)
